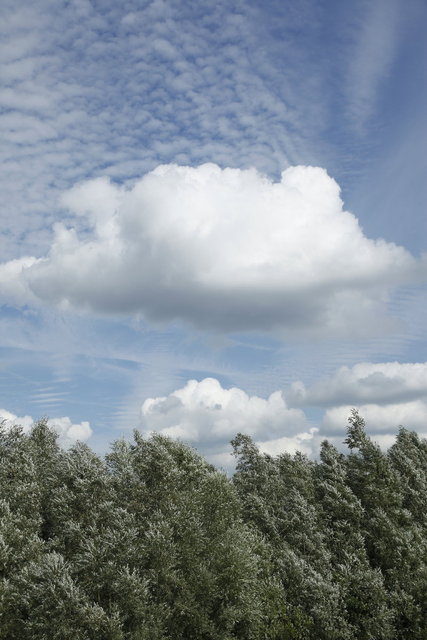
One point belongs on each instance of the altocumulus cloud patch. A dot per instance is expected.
(221, 249)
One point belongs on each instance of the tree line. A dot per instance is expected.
(151, 542)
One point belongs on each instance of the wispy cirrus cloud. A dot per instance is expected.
(374, 47)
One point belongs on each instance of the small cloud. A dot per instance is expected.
(380, 419)
(209, 415)
(302, 442)
(164, 48)
(365, 383)
(26, 422)
(386, 394)
(68, 433)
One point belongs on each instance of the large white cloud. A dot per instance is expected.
(225, 249)
(206, 414)
(68, 433)
(364, 383)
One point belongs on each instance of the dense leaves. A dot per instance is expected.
(153, 543)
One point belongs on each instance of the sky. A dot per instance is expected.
(213, 219)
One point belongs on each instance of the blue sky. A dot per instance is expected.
(214, 219)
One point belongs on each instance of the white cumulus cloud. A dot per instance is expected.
(386, 394)
(206, 414)
(305, 442)
(68, 433)
(364, 383)
(382, 421)
(223, 249)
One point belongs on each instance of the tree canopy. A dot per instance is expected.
(152, 542)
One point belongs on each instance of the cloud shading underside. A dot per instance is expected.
(222, 249)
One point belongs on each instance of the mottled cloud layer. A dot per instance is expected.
(221, 249)
(114, 88)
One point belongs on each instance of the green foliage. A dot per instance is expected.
(277, 496)
(395, 541)
(363, 594)
(154, 543)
